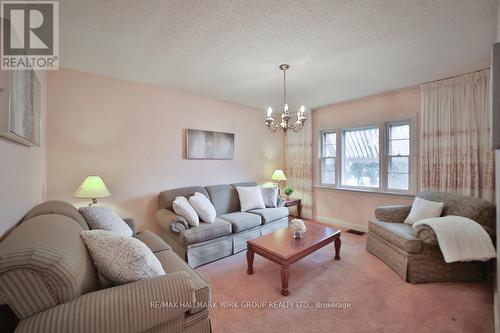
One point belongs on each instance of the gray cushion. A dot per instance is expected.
(242, 221)
(224, 198)
(271, 214)
(244, 184)
(205, 231)
(153, 241)
(270, 196)
(167, 197)
(400, 235)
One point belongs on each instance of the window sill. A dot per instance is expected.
(347, 189)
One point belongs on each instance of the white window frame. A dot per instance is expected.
(383, 127)
(321, 157)
(346, 129)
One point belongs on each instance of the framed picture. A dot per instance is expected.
(209, 145)
(20, 106)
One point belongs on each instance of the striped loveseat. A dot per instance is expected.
(48, 279)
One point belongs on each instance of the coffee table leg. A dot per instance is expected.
(284, 281)
(250, 256)
(338, 242)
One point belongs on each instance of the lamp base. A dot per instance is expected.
(279, 188)
(94, 201)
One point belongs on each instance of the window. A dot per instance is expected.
(329, 151)
(398, 157)
(375, 158)
(360, 157)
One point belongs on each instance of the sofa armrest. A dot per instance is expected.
(395, 214)
(134, 307)
(131, 223)
(153, 241)
(428, 236)
(280, 202)
(170, 221)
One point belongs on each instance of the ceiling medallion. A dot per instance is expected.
(286, 123)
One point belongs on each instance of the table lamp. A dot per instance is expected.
(278, 175)
(93, 187)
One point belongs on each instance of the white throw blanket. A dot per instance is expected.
(460, 238)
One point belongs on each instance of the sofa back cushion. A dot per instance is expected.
(44, 263)
(167, 197)
(224, 198)
(476, 209)
(60, 208)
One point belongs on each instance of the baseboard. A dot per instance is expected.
(342, 223)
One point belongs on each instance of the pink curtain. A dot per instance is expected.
(298, 164)
(455, 145)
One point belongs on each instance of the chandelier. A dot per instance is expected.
(286, 118)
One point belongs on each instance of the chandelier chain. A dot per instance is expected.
(284, 87)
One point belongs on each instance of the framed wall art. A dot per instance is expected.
(20, 106)
(209, 145)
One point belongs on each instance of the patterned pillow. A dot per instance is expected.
(121, 259)
(104, 218)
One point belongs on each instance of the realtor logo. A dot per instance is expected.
(30, 35)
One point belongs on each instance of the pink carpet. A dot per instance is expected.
(375, 299)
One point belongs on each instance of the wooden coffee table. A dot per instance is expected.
(280, 247)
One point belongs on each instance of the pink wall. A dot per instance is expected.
(354, 209)
(133, 136)
(22, 174)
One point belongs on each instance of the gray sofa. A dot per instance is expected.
(229, 233)
(49, 280)
(415, 255)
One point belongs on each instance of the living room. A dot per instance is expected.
(264, 166)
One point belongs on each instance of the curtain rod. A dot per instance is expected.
(394, 91)
(452, 77)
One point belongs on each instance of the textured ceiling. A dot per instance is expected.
(230, 50)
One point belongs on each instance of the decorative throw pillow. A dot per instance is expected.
(121, 259)
(183, 208)
(203, 206)
(104, 218)
(424, 209)
(250, 198)
(270, 196)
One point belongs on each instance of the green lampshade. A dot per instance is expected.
(278, 175)
(92, 187)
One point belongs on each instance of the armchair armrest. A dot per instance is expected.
(168, 220)
(134, 307)
(428, 236)
(396, 214)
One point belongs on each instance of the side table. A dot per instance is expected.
(294, 202)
